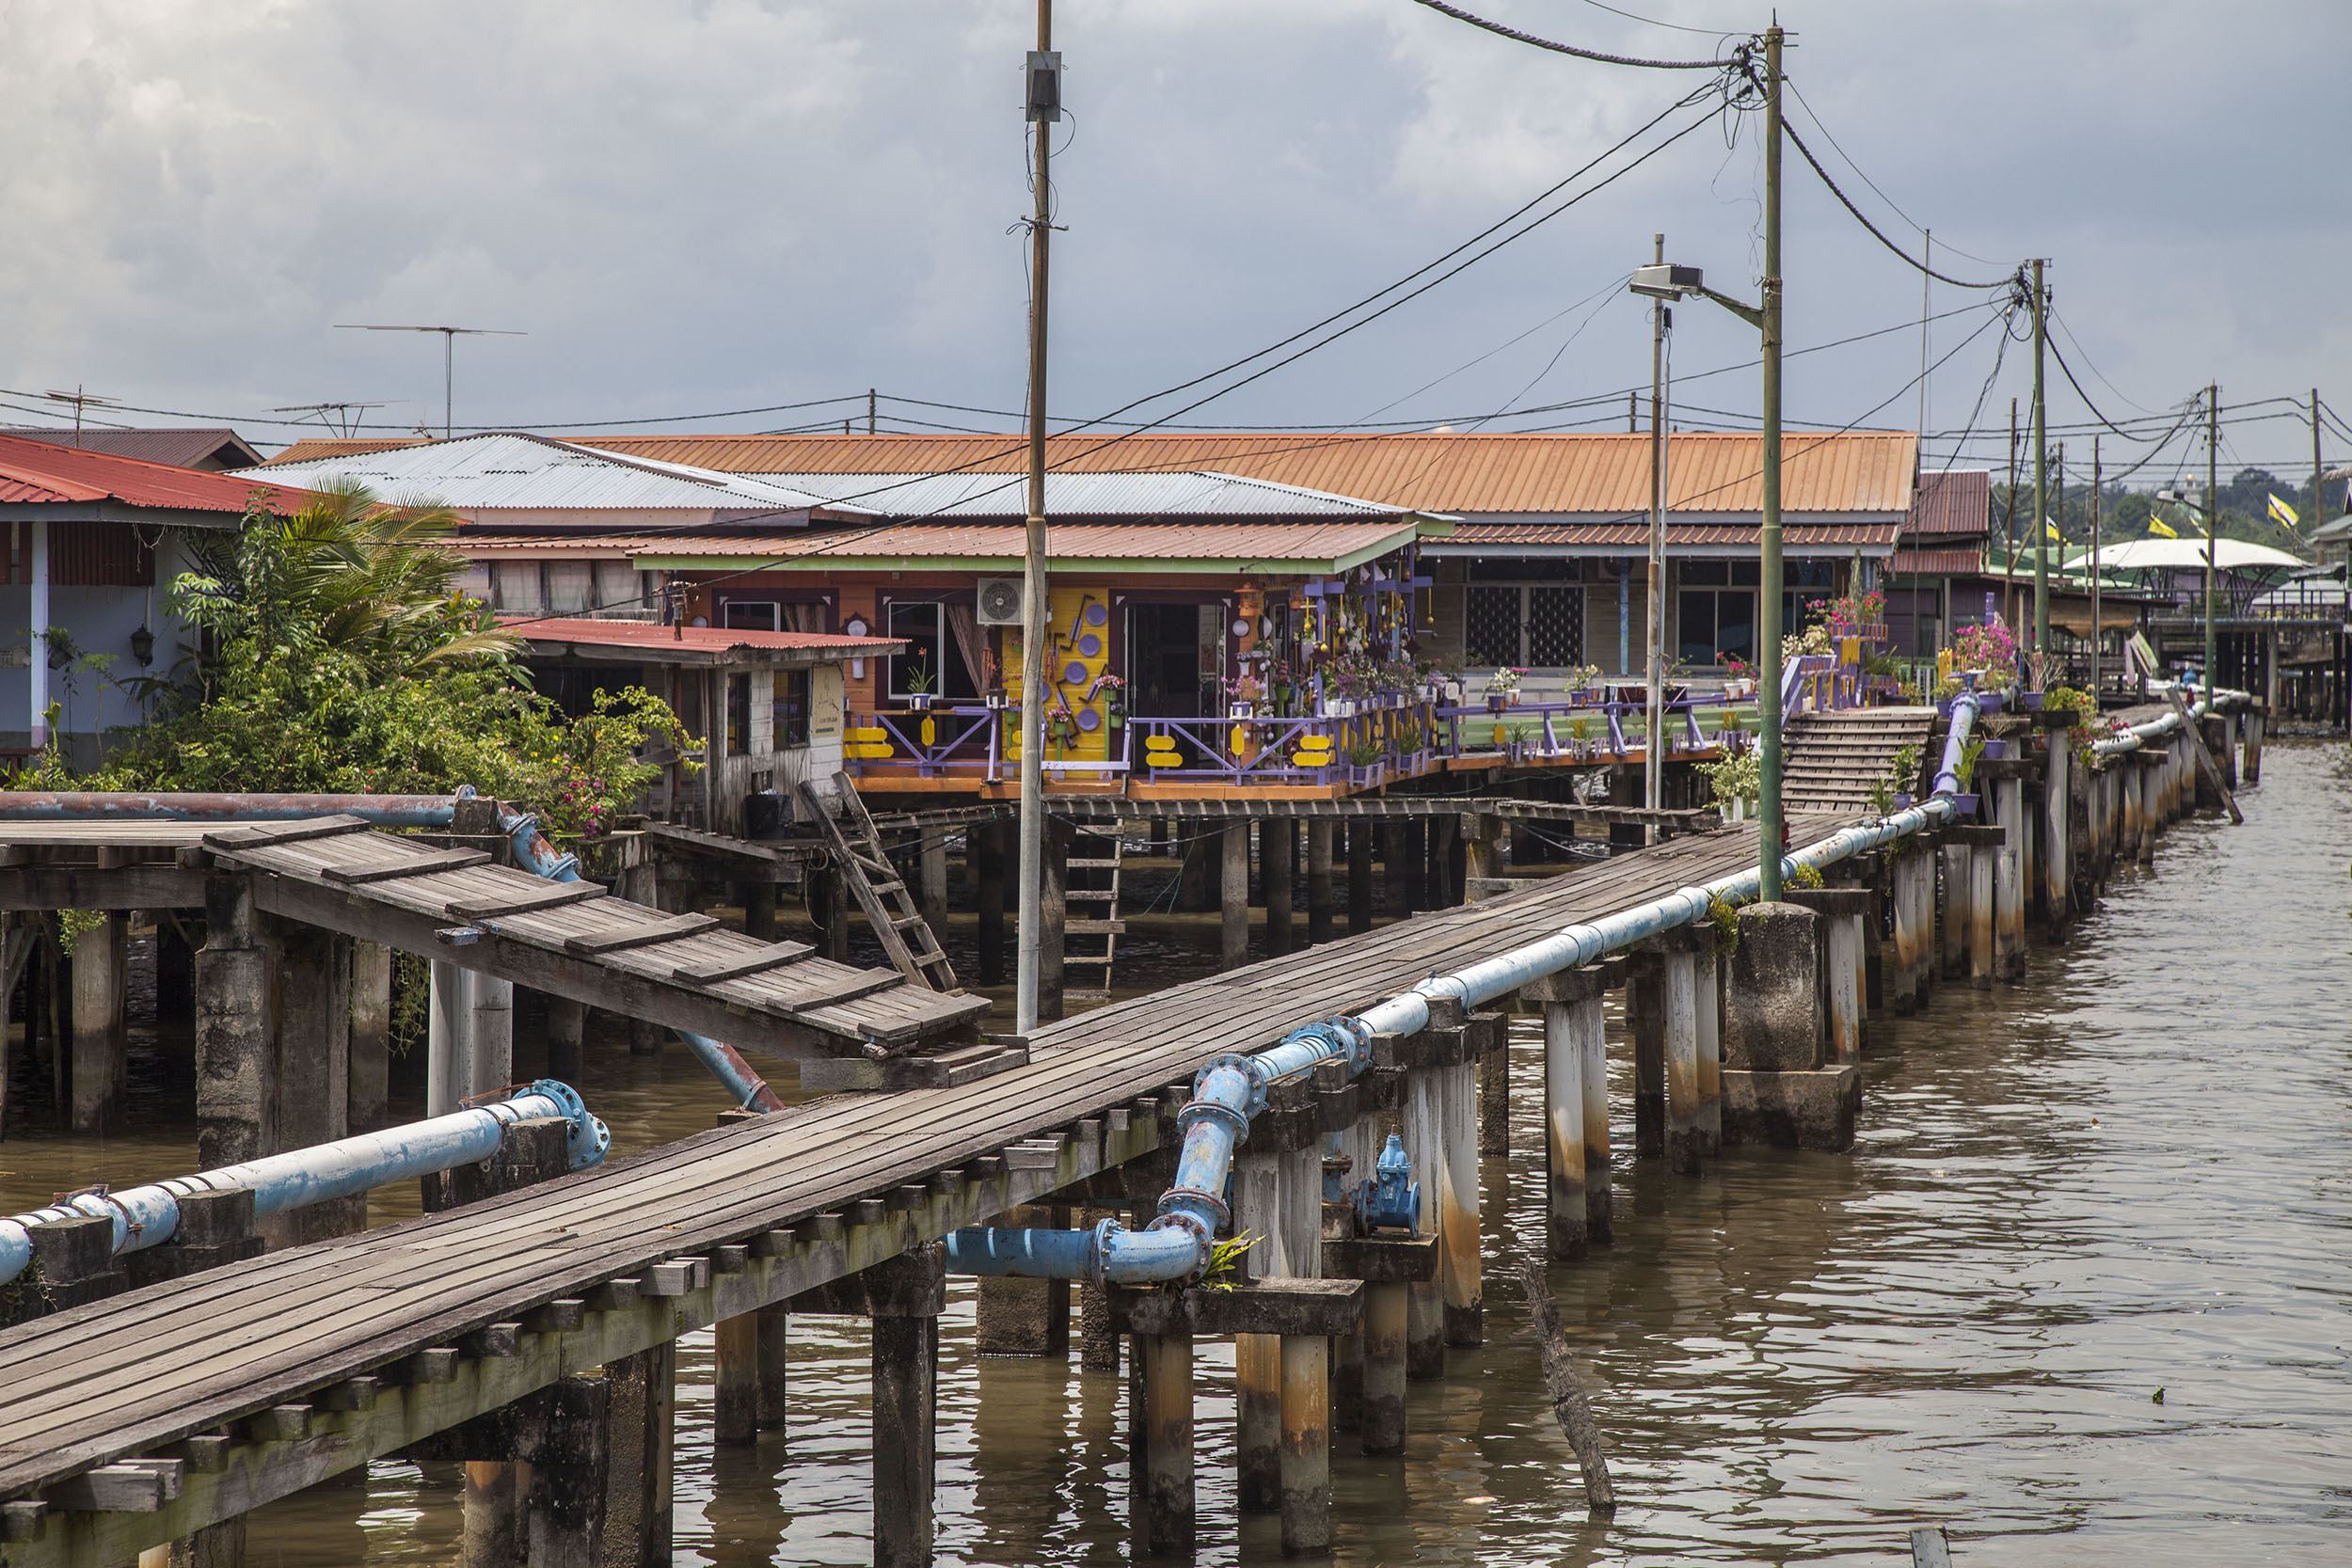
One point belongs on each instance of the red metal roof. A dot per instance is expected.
(42, 473)
(1956, 562)
(209, 447)
(1679, 535)
(1952, 500)
(646, 635)
(1858, 471)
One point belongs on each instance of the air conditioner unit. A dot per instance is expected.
(1000, 601)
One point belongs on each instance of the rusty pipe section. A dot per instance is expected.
(92, 805)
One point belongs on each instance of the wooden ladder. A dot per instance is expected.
(1091, 897)
(880, 891)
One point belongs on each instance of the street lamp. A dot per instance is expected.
(2184, 497)
(1662, 280)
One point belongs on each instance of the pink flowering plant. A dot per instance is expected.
(1988, 646)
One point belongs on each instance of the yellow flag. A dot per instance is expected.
(2051, 528)
(2282, 513)
(2161, 528)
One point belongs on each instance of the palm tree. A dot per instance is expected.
(347, 574)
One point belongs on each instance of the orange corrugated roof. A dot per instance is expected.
(1679, 535)
(1861, 471)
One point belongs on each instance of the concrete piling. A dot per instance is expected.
(313, 1006)
(1303, 1474)
(367, 1080)
(1023, 1317)
(569, 1473)
(905, 1297)
(1458, 1247)
(1645, 1023)
(1775, 1089)
(1679, 971)
(1258, 1357)
(235, 1100)
(1275, 868)
(642, 1419)
(2056, 822)
(1359, 877)
(1842, 911)
(1424, 1128)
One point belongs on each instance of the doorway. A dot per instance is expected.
(1175, 659)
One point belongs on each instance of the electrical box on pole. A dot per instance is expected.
(1044, 102)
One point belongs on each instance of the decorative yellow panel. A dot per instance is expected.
(1077, 656)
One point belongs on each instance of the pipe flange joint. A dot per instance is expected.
(1198, 1111)
(1235, 1063)
(1097, 1266)
(588, 1137)
(1203, 1213)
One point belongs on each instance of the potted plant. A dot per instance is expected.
(1581, 735)
(1114, 690)
(1502, 689)
(1365, 763)
(1241, 693)
(919, 683)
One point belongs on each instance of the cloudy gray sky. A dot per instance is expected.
(701, 207)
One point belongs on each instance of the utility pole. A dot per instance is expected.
(1044, 109)
(2041, 471)
(2212, 518)
(1927, 306)
(2098, 628)
(2058, 502)
(2009, 528)
(2318, 514)
(1632, 413)
(1768, 613)
(869, 411)
(1654, 712)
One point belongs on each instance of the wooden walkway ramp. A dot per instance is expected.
(376, 1341)
(571, 939)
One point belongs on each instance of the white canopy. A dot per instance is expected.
(2145, 555)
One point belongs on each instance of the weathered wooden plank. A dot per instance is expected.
(523, 896)
(758, 962)
(650, 933)
(393, 868)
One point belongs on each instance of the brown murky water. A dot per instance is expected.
(2089, 1275)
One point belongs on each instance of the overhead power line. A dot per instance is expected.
(1600, 57)
(1880, 234)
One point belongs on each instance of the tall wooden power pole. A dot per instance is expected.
(1043, 112)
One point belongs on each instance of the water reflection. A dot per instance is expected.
(2126, 1178)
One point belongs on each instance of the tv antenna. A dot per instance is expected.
(80, 400)
(341, 418)
(448, 354)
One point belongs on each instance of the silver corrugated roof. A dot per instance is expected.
(1190, 495)
(508, 471)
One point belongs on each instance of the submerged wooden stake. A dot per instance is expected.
(1568, 1392)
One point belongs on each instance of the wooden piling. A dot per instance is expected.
(1276, 843)
(735, 1381)
(1458, 1245)
(1645, 1022)
(1359, 877)
(1233, 884)
(101, 1014)
(1385, 1317)
(1160, 1446)
(1983, 878)
(1953, 922)
(906, 1297)
(1424, 1128)
(313, 1006)
(1052, 920)
(1319, 923)
(931, 864)
(2058, 898)
(494, 1534)
(1257, 1357)
(1303, 1474)
(1679, 995)
(1571, 1004)
(985, 845)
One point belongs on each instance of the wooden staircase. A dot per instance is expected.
(879, 890)
(1834, 759)
(1091, 895)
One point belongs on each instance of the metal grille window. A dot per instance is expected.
(1540, 626)
(791, 709)
(1491, 626)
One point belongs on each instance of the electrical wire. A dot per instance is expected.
(2094, 408)
(1599, 56)
(2096, 371)
(1822, 126)
(1670, 26)
(1880, 234)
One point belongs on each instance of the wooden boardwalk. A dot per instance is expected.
(757, 1211)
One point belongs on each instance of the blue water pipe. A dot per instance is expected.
(1233, 1088)
(149, 1216)
(531, 851)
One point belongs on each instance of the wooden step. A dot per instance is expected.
(1077, 864)
(1107, 925)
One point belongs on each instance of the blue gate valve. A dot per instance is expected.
(1392, 1199)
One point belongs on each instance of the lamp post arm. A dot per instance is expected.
(1752, 314)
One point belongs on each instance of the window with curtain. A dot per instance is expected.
(791, 700)
(932, 647)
